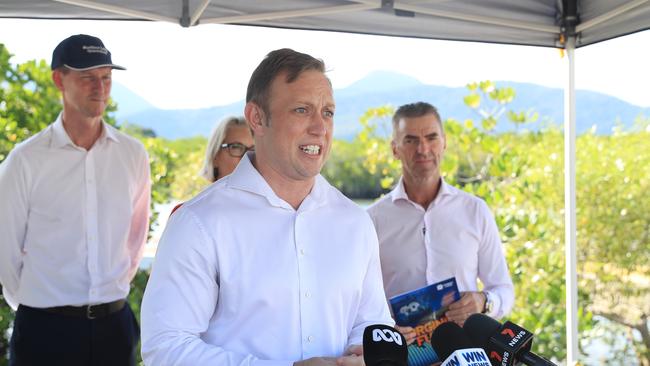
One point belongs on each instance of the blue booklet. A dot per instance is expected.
(424, 309)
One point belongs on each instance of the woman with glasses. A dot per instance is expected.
(230, 140)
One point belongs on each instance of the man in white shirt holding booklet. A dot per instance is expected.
(430, 231)
(270, 265)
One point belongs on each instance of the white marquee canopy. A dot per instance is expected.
(564, 24)
(525, 22)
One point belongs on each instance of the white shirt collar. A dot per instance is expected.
(60, 137)
(246, 177)
(399, 192)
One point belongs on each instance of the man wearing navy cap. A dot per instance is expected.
(74, 218)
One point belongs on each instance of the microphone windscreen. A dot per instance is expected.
(449, 337)
(384, 346)
(480, 327)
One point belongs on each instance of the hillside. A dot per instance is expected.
(381, 88)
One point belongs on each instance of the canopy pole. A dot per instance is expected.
(571, 278)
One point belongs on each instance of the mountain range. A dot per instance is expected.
(389, 88)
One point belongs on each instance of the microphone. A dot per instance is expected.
(384, 346)
(452, 345)
(505, 344)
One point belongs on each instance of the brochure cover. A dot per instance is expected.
(424, 309)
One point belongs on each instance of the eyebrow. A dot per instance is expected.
(310, 104)
(432, 134)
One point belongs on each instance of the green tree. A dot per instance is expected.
(614, 234)
(344, 169)
(29, 101)
(190, 154)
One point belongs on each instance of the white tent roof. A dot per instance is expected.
(525, 22)
(551, 23)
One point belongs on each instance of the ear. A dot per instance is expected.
(255, 118)
(393, 146)
(57, 78)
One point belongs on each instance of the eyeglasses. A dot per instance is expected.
(237, 149)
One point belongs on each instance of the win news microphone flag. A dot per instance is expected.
(384, 346)
(506, 345)
(453, 345)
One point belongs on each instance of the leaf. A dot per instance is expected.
(473, 100)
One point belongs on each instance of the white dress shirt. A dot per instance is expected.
(241, 278)
(456, 236)
(73, 222)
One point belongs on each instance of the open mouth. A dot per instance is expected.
(310, 149)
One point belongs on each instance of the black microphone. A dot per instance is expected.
(384, 346)
(505, 344)
(447, 338)
(453, 345)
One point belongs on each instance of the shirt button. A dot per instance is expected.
(302, 252)
(307, 294)
(310, 338)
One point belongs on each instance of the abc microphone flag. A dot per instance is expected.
(384, 346)
(452, 344)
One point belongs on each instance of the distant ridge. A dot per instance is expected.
(129, 102)
(382, 88)
(379, 80)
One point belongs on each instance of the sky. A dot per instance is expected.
(209, 65)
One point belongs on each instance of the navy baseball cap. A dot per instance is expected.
(82, 52)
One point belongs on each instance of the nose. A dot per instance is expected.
(101, 86)
(423, 146)
(318, 125)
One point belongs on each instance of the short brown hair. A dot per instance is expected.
(276, 62)
(414, 110)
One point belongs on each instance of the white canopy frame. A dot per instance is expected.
(564, 24)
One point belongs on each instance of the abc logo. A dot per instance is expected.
(387, 335)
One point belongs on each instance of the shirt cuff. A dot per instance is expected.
(496, 305)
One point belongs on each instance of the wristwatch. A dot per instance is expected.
(489, 304)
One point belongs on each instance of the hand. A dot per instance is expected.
(317, 361)
(351, 360)
(355, 349)
(407, 332)
(348, 360)
(470, 302)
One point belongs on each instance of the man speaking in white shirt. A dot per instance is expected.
(430, 231)
(270, 265)
(74, 216)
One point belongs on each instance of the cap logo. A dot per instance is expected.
(95, 49)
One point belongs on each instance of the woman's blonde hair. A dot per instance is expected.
(216, 139)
